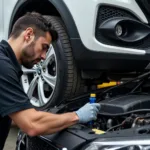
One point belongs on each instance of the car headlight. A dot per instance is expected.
(119, 145)
(109, 147)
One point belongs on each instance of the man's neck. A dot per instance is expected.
(16, 47)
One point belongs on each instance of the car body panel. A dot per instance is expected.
(86, 28)
(5, 17)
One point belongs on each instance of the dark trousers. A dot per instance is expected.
(5, 124)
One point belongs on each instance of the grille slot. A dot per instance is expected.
(107, 12)
(35, 143)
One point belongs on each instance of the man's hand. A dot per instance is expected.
(88, 112)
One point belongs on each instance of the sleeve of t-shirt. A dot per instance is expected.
(12, 96)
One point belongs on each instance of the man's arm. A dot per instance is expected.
(15, 103)
(35, 122)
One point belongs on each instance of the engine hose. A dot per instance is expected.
(114, 127)
(135, 121)
(136, 78)
(107, 90)
(126, 113)
(145, 75)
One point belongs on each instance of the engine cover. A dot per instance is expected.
(125, 103)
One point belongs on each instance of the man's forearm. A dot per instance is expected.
(38, 123)
(50, 123)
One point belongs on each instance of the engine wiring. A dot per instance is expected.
(140, 77)
(119, 125)
(125, 120)
(101, 92)
(134, 122)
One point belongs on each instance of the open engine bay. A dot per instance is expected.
(124, 106)
(125, 112)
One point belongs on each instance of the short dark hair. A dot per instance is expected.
(37, 22)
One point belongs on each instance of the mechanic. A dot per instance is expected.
(28, 43)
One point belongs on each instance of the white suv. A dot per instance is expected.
(98, 39)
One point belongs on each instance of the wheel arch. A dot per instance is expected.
(48, 7)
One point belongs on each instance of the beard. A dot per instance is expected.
(28, 65)
(27, 56)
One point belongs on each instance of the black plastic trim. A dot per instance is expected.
(61, 8)
(93, 60)
(127, 32)
(106, 12)
(67, 18)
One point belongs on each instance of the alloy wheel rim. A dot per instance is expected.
(39, 82)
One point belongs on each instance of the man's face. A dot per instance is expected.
(35, 50)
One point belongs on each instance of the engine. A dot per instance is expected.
(122, 104)
(123, 112)
(122, 107)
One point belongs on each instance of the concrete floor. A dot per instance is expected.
(11, 140)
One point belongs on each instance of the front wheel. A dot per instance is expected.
(57, 78)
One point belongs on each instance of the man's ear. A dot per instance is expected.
(29, 35)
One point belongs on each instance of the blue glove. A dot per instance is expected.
(88, 112)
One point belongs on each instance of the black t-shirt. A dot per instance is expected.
(12, 96)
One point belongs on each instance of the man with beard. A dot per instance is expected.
(27, 45)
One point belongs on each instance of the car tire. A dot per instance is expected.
(68, 82)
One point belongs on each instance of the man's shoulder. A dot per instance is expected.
(3, 54)
(3, 47)
(5, 65)
(4, 59)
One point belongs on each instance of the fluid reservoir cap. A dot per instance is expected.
(97, 131)
(92, 95)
